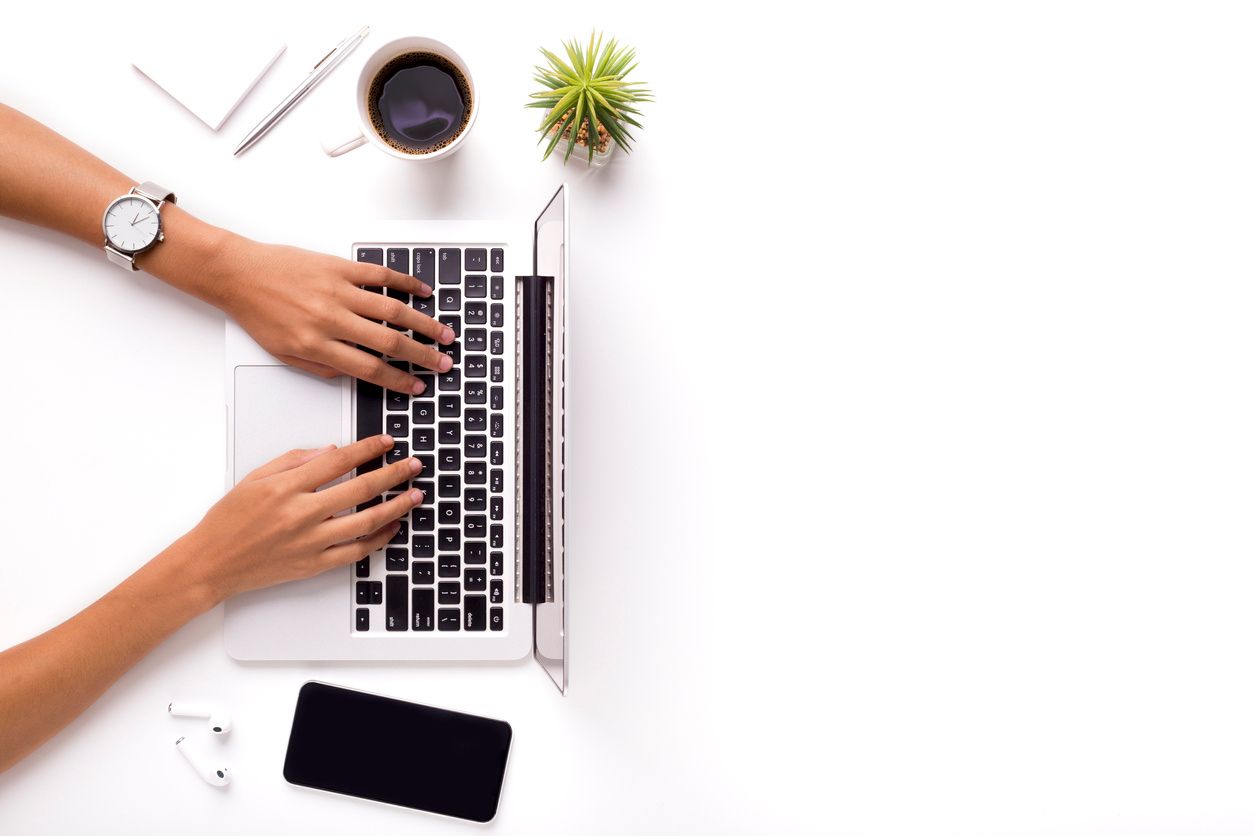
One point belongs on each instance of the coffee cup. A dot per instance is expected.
(415, 100)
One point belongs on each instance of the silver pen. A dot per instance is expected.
(320, 71)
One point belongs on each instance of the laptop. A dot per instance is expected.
(477, 572)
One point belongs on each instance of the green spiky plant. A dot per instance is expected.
(589, 90)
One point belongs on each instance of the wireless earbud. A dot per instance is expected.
(219, 720)
(218, 776)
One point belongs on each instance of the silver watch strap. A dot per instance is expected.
(157, 194)
(120, 258)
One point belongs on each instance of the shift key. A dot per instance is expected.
(396, 602)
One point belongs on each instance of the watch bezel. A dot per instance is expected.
(155, 208)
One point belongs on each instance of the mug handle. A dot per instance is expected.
(342, 145)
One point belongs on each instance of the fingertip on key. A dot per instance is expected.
(385, 440)
(447, 336)
(419, 387)
(415, 496)
(446, 363)
(414, 465)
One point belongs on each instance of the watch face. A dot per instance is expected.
(131, 223)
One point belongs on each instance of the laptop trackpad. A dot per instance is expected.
(278, 408)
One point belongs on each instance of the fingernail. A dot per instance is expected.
(415, 465)
(419, 387)
(446, 363)
(448, 336)
(415, 496)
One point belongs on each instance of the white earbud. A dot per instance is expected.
(219, 720)
(218, 776)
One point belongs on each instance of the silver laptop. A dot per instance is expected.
(476, 572)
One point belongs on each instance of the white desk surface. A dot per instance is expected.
(911, 480)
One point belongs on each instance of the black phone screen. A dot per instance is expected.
(398, 752)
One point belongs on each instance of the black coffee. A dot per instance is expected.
(419, 102)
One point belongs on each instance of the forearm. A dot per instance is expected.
(47, 180)
(48, 681)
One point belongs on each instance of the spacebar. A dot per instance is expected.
(369, 410)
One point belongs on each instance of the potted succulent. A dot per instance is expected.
(587, 100)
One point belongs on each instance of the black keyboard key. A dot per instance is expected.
(427, 487)
(450, 485)
(498, 452)
(497, 425)
(498, 508)
(396, 610)
(498, 315)
(363, 619)
(423, 438)
(497, 369)
(497, 482)
(476, 473)
(450, 381)
(476, 287)
(496, 563)
(476, 612)
(369, 410)
(497, 540)
(449, 513)
(424, 412)
(449, 539)
(370, 592)
(450, 458)
(450, 593)
(498, 287)
(476, 525)
(363, 567)
(476, 420)
(450, 566)
(498, 592)
(397, 401)
(450, 266)
(475, 580)
(496, 398)
(454, 323)
(476, 553)
(428, 383)
(397, 560)
(476, 499)
(454, 352)
(497, 343)
(450, 620)
(423, 572)
(476, 367)
(476, 259)
(397, 426)
(497, 619)
(450, 406)
(398, 259)
(399, 452)
(498, 260)
(402, 296)
(476, 393)
(424, 305)
(423, 546)
(401, 537)
(424, 265)
(424, 609)
(476, 339)
(370, 255)
(476, 446)
(428, 466)
(366, 467)
(450, 299)
(370, 503)
(424, 518)
(450, 432)
(476, 312)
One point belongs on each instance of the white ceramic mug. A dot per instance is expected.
(363, 132)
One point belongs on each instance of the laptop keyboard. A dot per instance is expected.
(444, 571)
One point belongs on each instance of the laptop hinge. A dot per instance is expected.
(534, 477)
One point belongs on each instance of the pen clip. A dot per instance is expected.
(325, 57)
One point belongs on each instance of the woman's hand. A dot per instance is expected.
(275, 525)
(307, 309)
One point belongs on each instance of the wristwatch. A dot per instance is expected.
(132, 223)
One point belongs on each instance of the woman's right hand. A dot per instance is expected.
(276, 526)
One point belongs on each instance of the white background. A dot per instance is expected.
(911, 469)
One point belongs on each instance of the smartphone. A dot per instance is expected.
(397, 752)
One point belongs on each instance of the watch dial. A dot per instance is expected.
(131, 224)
